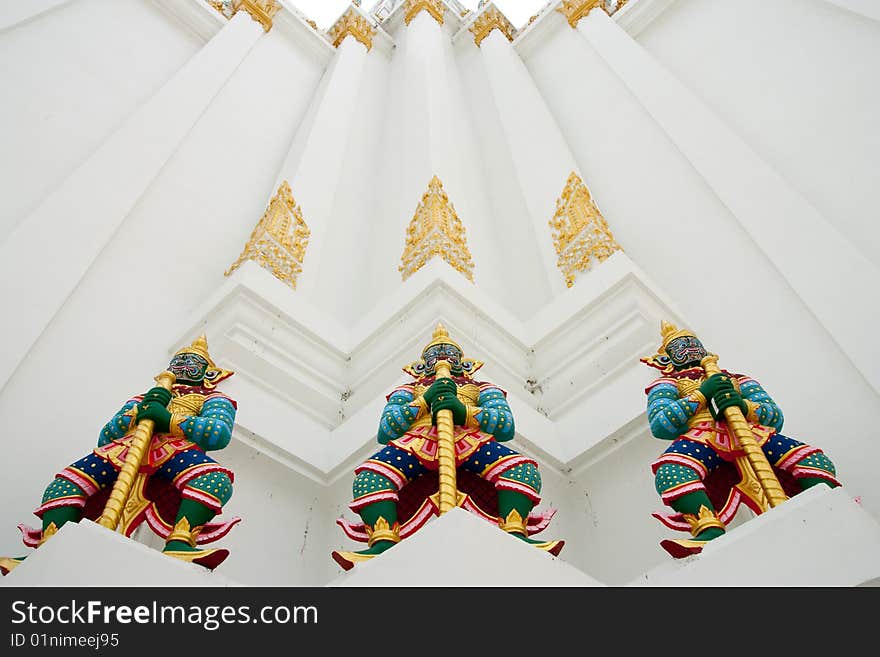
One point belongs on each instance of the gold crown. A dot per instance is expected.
(441, 337)
(199, 346)
(669, 332)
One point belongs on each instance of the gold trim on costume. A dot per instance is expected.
(704, 520)
(382, 531)
(422, 405)
(513, 523)
(8, 564)
(174, 427)
(699, 398)
(183, 533)
(134, 504)
(50, 531)
(470, 418)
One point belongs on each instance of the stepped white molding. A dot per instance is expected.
(13, 14)
(321, 385)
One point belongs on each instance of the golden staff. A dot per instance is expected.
(757, 467)
(143, 434)
(447, 495)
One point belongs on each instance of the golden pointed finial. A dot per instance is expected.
(666, 328)
(441, 336)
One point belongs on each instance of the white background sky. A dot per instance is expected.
(325, 12)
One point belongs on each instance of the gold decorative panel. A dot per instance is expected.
(435, 229)
(354, 24)
(261, 11)
(434, 7)
(278, 242)
(489, 20)
(580, 233)
(574, 10)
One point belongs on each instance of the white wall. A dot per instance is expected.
(337, 257)
(168, 256)
(520, 248)
(285, 528)
(112, 336)
(429, 132)
(107, 57)
(797, 85)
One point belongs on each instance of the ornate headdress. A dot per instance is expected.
(668, 333)
(214, 374)
(441, 336)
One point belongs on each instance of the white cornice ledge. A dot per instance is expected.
(311, 390)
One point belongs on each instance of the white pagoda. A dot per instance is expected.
(316, 201)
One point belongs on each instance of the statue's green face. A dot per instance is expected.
(438, 352)
(188, 369)
(685, 352)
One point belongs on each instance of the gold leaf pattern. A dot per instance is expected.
(580, 232)
(435, 229)
(278, 242)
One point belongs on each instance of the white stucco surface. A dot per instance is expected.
(737, 183)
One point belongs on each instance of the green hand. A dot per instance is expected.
(445, 387)
(454, 404)
(725, 398)
(157, 394)
(710, 386)
(157, 413)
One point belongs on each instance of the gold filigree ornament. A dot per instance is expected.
(223, 6)
(489, 20)
(382, 531)
(262, 11)
(703, 521)
(580, 233)
(435, 229)
(574, 10)
(434, 7)
(353, 24)
(279, 240)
